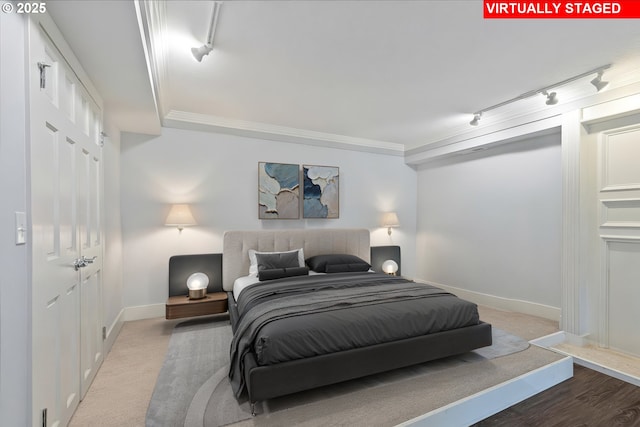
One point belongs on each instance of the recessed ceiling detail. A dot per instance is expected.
(362, 73)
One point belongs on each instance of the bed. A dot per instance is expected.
(294, 331)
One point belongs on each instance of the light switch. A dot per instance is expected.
(21, 228)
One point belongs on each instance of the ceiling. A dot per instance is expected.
(396, 75)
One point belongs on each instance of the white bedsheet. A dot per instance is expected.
(242, 282)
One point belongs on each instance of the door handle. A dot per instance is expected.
(83, 261)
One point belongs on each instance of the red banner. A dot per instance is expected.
(588, 9)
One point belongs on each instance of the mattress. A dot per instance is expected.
(301, 317)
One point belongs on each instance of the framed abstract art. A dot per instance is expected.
(321, 191)
(278, 191)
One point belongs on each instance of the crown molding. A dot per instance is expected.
(209, 123)
(152, 24)
(515, 132)
(624, 100)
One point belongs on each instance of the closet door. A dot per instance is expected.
(66, 194)
(89, 179)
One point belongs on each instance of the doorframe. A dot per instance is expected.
(15, 292)
(579, 128)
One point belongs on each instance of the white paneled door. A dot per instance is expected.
(66, 202)
(619, 233)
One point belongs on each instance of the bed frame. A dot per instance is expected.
(267, 382)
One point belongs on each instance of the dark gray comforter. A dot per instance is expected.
(299, 317)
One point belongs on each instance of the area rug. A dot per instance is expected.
(193, 390)
(197, 350)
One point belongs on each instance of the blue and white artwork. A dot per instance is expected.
(321, 191)
(278, 191)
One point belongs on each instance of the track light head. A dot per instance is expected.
(205, 49)
(598, 82)
(552, 97)
(200, 52)
(476, 119)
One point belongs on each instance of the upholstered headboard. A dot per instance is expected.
(236, 244)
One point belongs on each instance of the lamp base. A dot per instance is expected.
(197, 293)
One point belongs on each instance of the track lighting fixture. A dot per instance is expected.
(552, 97)
(205, 49)
(598, 83)
(200, 52)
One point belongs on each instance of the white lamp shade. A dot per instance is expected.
(197, 281)
(180, 216)
(390, 219)
(390, 266)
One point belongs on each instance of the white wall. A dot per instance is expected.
(15, 302)
(218, 174)
(490, 222)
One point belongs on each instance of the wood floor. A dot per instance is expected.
(588, 399)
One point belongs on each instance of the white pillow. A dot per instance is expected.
(253, 262)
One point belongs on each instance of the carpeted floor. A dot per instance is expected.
(193, 390)
(120, 393)
(123, 387)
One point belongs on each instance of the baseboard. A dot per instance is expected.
(488, 402)
(144, 312)
(113, 332)
(520, 306)
(127, 314)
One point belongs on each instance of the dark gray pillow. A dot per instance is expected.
(279, 273)
(337, 263)
(270, 261)
(344, 268)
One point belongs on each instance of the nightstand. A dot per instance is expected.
(379, 254)
(180, 268)
(181, 306)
